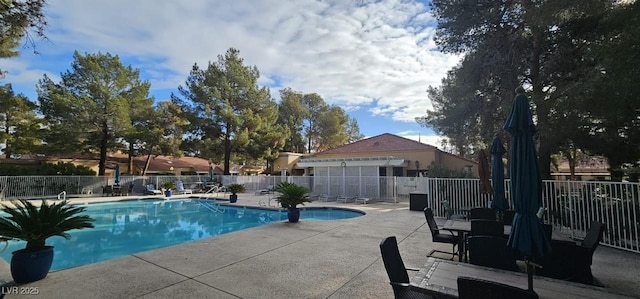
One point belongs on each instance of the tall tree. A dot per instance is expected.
(316, 107)
(352, 131)
(17, 18)
(89, 109)
(291, 114)
(228, 105)
(534, 29)
(19, 125)
(612, 94)
(332, 127)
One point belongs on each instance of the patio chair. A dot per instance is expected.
(469, 287)
(507, 217)
(572, 261)
(181, 190)
(483, 227)
(151, 190)
(397, 272)
(482, 213)
(491, 251)
(438, 237)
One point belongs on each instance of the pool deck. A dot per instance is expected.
(309, 259)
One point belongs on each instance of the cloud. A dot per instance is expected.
(376, 54)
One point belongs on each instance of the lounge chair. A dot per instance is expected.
(345, 199)
(364, 200)
(181, 190)
(151, 190)
(264, 191)
(398, 277)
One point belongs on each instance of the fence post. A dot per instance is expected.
(395, 189)
(571, 208)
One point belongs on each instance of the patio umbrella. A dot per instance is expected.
(483, 171)
(117, 174)
(527, 236)
(211, 174)
(499, 202)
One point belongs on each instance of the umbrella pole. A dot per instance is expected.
(529, 274)
(530, 265)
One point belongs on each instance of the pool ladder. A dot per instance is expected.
(212, 208)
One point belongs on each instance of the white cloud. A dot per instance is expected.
(353, 53)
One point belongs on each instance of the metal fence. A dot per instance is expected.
(571, 206)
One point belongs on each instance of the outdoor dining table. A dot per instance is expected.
(463, 228)
(439, 277)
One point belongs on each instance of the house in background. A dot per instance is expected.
(382, 155)
(365, 168)
(591, 168)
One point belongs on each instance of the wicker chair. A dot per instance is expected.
(491, 252)
(572, 261)
(469, 288)
(482, 213)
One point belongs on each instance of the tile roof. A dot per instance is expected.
(381, 143)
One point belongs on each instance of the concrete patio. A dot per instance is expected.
(310, 259)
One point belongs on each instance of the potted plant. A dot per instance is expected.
(168, 188)
(34, 225)
(292, 195)
(234, 189)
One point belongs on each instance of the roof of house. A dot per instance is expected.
(381, 143)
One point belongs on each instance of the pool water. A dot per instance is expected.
(129, 227)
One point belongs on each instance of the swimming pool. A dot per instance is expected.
(128, 227)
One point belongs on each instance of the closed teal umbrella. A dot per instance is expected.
(527, 236)
(211, 174)
(499, 202)
(117, 174)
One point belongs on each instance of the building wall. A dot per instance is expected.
(424, 158)
(454, 162)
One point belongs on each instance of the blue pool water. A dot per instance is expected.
(129, 227)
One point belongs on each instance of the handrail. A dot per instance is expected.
(64, 195)
(211, 207)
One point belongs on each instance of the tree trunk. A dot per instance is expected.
(146, 163)
(103, 150)
(227, 151)
(130, 159)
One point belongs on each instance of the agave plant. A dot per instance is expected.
(292, 194)
(34, 225)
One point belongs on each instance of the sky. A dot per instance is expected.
(375, 59)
